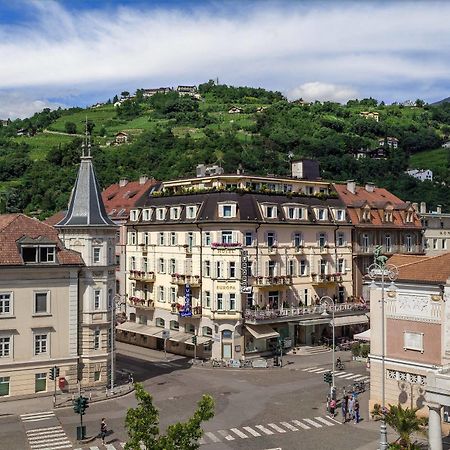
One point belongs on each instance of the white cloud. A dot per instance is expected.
(323, 92)
(15, 105)
(367, 46)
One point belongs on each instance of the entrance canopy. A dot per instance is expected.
(350, 320)
(138, 328)
(262, 331)
(364, 336)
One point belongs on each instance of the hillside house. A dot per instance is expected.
(372, 153)
(5, 122)
(391, 142)
(152, 91)
(370, 115)
(446, 144)
(421, 174)
(121, 138)
(189, 90)
(235, 110)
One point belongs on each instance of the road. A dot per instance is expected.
(255, 408)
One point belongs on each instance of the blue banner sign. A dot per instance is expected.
(186, 311)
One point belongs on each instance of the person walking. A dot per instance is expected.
(333, 407)
(356, 408)
(351, 408)
(103, 430)
(344, 404)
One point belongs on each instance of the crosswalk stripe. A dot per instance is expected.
(251, 431)
(360, 378)
(264, 429)
(326, 422)
(276, 428)
(38, 430)
(341, 374)
(348, 376)
(226, 435)
(52, 446)
(309, 368)
(42, 434)
(289, 426)
(322, 371)
(93, 448)
(50, 437)
(38, 419)
(354, 376)
(36, 414)
(301, 424)
(110, 447)
(333, 419)
(239, 433)
(316, 370)
(212, 436)
(314, 424)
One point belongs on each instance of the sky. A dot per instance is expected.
(78, 52)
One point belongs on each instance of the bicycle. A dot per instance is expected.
(340, 365)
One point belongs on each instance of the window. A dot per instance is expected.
(4, 386)
(40, 303)
(161, 265)
(40, 382)
(207, 268)
(294, 212)
(173, 238)
(96, 339)
(133, 215)
(340, 265)
(161, 294)
(207, 299)
(189, 328)
(40, 344)
(173, 295)
(232, 269)
(175, 213)
(365, 242)
(207, 238)
(5, 346)
(271, 212)
(160, 213)
(97, 299)
(366, 214)
(340, 239)
(232, 302)
(5, 304)
(190, 239)
(219, 301)
(174, 325)
(322, 240)
(388, 242)
(321, 214)
(44, 254)
(145, 264)
(303, 267)
(161, 238)
(159, 322)
(305, 296)
(322, 267)
(291, 268)
(146, 214)
(435, 244)
(248, 238)
(444, 244)
(340, 215)
(218, 269)
(132, 263)
(207, 331)
(388, 215)
(298, 239)
(271, 269)
(410, 217)
(47, 254)
(96, 258)
(270, 239)
(173, 266)
(227, 334)
(146, 239)
(227, 210)
(227, 237)
(413, 341)
(30, 254)
(132, 238)
(409, 243)
(190, 212)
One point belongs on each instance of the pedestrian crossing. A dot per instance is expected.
(255, 431)
(115, 446)
(41, 437)
(343, 375)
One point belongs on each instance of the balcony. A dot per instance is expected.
(296, 313)
(404, 249)
(181, 280)
(322, 278)
(299, 249)
(178, 307)
(272, 281)
(326, 250)
(226, 245)
(138, 275)
(142, 303)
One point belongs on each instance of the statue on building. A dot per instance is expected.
(378, 257)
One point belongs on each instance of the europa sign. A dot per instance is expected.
(186, 311)
(245, 288)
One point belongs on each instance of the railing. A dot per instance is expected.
(140, 275)
(142, 303)
(178, 307)
(369, 249)
(267, 314)
(272, 281)
(326, 278)
(180, 280)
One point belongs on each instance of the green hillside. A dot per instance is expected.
(169, 135)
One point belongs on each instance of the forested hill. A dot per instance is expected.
(170, 134)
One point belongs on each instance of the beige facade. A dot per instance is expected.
(436, 236)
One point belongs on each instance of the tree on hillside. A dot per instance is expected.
(115, 99)
(70, 127)
(142, 424)
(125, 94)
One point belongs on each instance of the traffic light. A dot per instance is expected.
(51, 373)
(194, 340)
(77, 405)
(84, 404)
(327, 377)
(56, 372)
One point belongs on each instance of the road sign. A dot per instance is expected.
(165, 334)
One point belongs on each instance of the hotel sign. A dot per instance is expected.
(245, 288)
(187, 308)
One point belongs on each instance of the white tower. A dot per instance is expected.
(87, 229)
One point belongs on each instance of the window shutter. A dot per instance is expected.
(235, 236)
(267, 268)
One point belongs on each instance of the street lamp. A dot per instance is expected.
(325, 300)
(115, 301)
(379, 269)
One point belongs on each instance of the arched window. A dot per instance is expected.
(160, 322)
(207, 331)
(174, 325)
(227, 334)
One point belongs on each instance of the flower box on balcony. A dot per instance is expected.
(226, 244)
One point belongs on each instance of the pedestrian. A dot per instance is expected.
(351, 408)
(344, 404)
(103, 430)
(333, 407)
(356, 408)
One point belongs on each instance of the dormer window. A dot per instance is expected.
(366, 214)
(160, 213)
(322, 214)
(339, 215)
(388, 215)
(146, 214)
(134, 214)
(293, 212)
(271, 212)
(39, 254)
(175, 213)
(410, 217)
(191, 212)
(227, 210)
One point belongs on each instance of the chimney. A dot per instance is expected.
(370, 187)
(415, 205)
(123, 182)
(201, 170)
(439, 209)
(143, 179)
(351, 186)
(423, 208)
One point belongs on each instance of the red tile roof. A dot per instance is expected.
(378, 200)
(57, 217)
(119, 200)
(428, 269)
(13, 227)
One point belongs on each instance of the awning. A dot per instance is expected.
(262, 331)
(307, 323)
(364, 336)
(350, 320)
(180, 336)
(203, 339)
(138, 328)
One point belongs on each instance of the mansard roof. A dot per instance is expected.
(86, 208)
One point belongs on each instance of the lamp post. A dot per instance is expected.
(380, 270)
(115, 301)
(325, 300)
